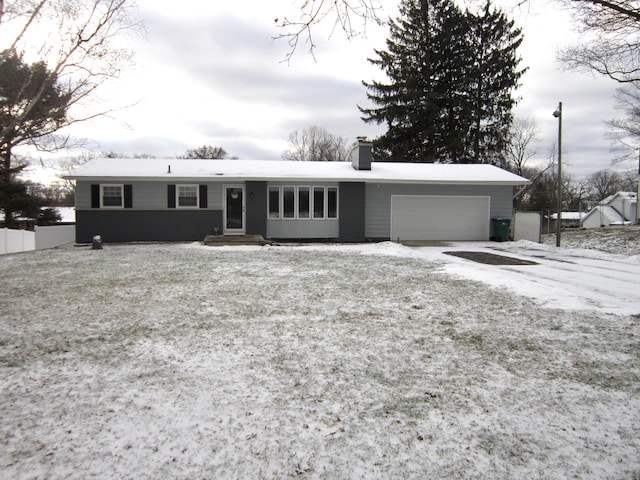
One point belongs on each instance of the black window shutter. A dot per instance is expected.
(203, 196)
(171, 196)
(95, 196)
(128, 196)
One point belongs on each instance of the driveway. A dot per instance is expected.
(575, 279)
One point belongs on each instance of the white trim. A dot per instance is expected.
(277, 188)
(234, 231)
(115, 185)
(189, 185)
(310, 202)
(296, 202)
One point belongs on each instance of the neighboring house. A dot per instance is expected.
(617, 209)
(570, 219)
(177, 200)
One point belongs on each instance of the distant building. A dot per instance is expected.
(618, 209)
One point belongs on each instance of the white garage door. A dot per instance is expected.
(417, 217)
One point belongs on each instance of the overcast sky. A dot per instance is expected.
(211, 73)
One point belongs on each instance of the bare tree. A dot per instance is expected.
(610, 32)
(625, 132)
(603, 184)
(206, 152)
(612, 26)
(350, 16)
(78, 43)
(316, 143)
(54, 55)
(523, 135)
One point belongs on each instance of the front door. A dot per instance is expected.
(234, 210)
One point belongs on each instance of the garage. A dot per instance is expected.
(435, 217)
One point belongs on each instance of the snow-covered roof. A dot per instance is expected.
(570, 215)
(631, 196)
(280, 170)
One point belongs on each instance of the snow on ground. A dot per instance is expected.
(367, 361)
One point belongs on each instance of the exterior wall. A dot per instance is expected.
(602, 216)
(352, 208)
(150, 218)
(592, 220)
(256, 203)
(307, 228)
(627, 207)
(618, 202)
(127, 225)
(527, 226)
(378, 202)
(364, 212)
(150, 195)
(303, 229)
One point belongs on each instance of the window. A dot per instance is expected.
(332, 202)
(274, 202)
(187, 196)
(318, 202)
(112, 196)
(288, 202)
(303, 202)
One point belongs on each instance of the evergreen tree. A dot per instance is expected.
(24, 85)
(413, 104)
(493, 76)
(451, 74)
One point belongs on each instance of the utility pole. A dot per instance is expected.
(558, 115)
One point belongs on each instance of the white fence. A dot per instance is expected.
(14, 241)
(527, 226)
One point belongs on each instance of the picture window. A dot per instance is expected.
(302, 202)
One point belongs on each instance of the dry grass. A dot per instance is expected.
(174, 361)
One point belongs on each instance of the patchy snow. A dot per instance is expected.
(318, 361)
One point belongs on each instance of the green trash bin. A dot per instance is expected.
(500, 229)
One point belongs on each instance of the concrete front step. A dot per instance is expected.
(219, 240)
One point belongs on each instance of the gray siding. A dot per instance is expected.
(128, 225)
(256, 205)
(307, 228)
(149, 195)
(299, 229)
(378, 202)
(352, 208)
(364, 212)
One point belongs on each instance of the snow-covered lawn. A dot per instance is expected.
(318, 361)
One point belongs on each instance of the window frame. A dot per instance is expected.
(309, 191)
(324, 202)
(178, 196)
(283, 206)
(294, 206)
(104, 186)
(278, 212)
(327, 210)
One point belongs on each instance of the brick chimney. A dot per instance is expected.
(361, 154)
